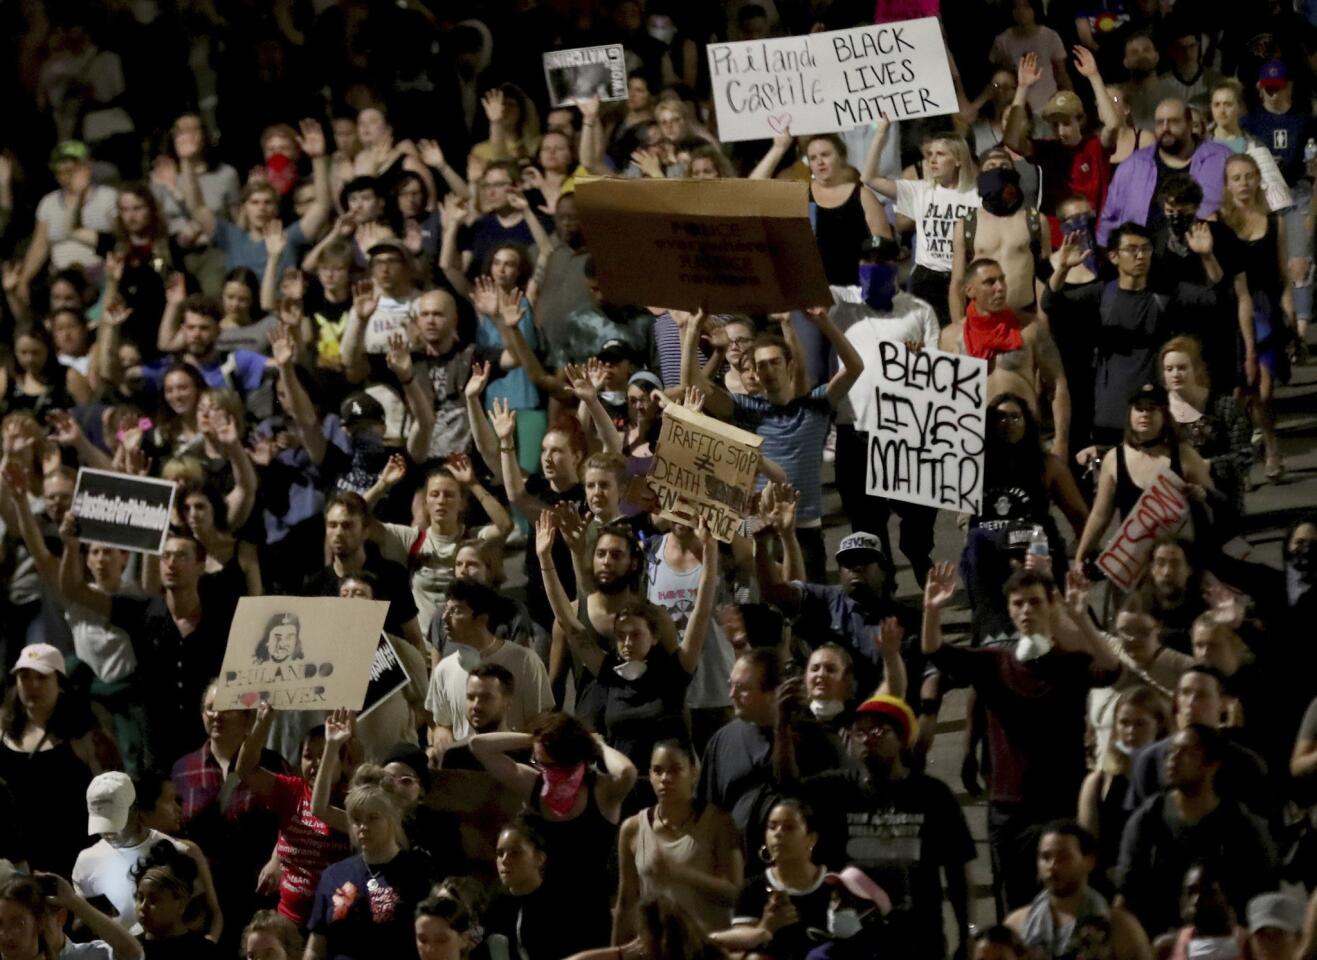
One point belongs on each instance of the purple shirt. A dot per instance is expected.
(1135, 181)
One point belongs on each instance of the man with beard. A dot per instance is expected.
(351, 552)
(489, 689)
(1067, 856)
(1143, 89)
(470, 644)
(1004, 230)
(849, 613)
(903, 828)
(1133, 194)
(381, 309)
(1033, 692)
(1173, 590)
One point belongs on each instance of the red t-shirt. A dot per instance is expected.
(1082, 169)
(306, 846)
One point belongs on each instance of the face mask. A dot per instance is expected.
(560, 787)
(468, 657)
(281, 172)
(1000, 191)
(1213, 948)
(1031, 646)
(613, 398)
(631, 670)
(844, 923)
(1128, 751)
(1181, 223)
(825, 710)
(662, 29)
(878, 285)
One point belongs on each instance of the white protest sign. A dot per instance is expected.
(924, 415)
(300, 653)
(833, 81)
(704, 468)
(1162, 508)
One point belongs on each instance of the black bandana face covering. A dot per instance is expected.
(1000, 191)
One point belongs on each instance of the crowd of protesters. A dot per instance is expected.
(319, 264)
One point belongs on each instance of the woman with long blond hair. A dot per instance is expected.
(935, 205)
(1263, 248)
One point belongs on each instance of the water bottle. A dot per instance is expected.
(1038, 546)
(1310, 150)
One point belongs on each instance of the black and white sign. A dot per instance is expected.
(574, 75)
(118, 510)
(387, 676)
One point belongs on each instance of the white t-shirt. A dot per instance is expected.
(390, 317)
(105, 870)
(97, 214)
(935, 210)
(101, 646)
(910, 319)
(446, 699)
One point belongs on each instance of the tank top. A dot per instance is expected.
(839, 232)
(695, 850)
(676, 593)
(50, 789)
(581, 856)
(1262, 266)
(1127, 491)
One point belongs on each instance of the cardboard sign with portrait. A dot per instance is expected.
(300, 653)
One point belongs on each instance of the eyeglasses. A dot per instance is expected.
(497, 184)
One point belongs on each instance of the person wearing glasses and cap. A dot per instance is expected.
(898, 829)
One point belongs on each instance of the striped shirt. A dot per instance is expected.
(794, 434)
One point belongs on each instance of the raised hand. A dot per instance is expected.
(275, 241)
(509, 307)
(460, 466)
(431, 154)
(345, 226)
(454, 210)
(693, 399)
(571, 525)
(889, 634)
(1200, 239)
(544, 533)
(704, 533)
(784, 140)
(312, 139)
(12, 276)
(399, 357)
(283, 348)
(492, 101)
(64, 896)
(648, 163)
(364, 299)
(504, 420)
(394, 470)
(1086, 64)
(589, 108)
(64, 430)
(517, 200)
(579, 383)
(1071, 252)
(340, 726)
(940, 586)
(485, 297)
(116, 314)
(597, 372)
(786, 499)
(1077, 588)
(224, 427)
(478, 380)
(1028, 72)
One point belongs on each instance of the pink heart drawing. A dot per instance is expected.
(250, 699)
(780, 122)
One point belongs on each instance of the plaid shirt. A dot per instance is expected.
(200, 783)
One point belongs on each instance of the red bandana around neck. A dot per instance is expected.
(988, 335)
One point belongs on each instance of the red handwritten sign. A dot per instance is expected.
(889, 11)
(1163, 508)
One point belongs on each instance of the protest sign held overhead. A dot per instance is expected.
(1161, 508)
(704, 468)
(387, 676)
(735, 246)
(833, 81)
(924, 413)
(300, 653)
(574, 75)
(119, 510)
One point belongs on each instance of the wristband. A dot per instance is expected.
(507, 448)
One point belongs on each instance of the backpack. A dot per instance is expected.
(1035, 222)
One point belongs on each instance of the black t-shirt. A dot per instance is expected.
(538, 926)
(791, 942)
(173, 670)
(391, 584)
(190, 946)
(633, 715)
(366, 911)
(536, 600)
(1156, 219)
(901, 834)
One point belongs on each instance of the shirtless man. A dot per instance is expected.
(1003, 229)
(1020, 361)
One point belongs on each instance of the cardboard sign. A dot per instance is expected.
(704, 468)
(118, 510)
(889, 11)
(733, 246)
(924, 413)
(833, 81)
(1162, 508)
(300, 653)
(387, 676)
(585, 72)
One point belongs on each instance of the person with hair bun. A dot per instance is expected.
(167, 905)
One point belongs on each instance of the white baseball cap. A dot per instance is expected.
(110, 798)
(41, 657)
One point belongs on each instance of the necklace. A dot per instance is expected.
(660, 821)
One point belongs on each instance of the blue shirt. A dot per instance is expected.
(794, 434)
(1285, 135)
(515, 386)
(240, 250)
(245, 372)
